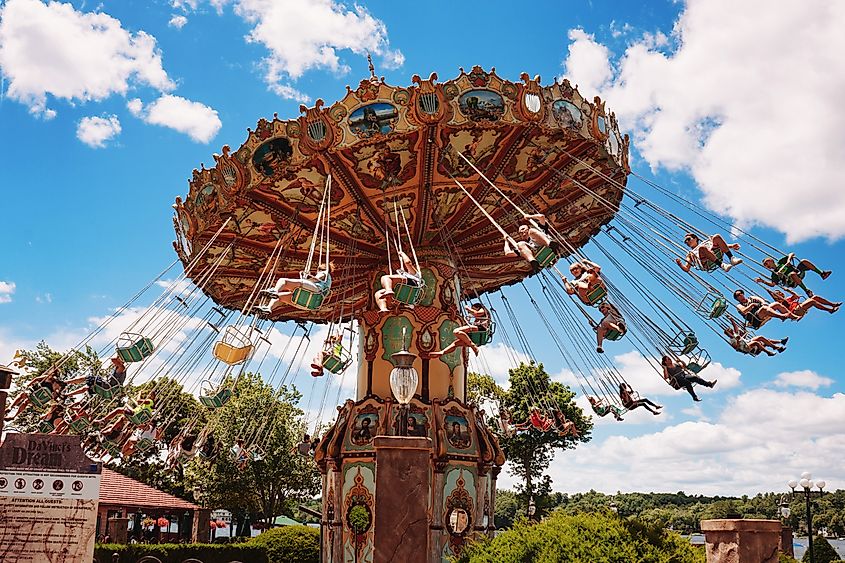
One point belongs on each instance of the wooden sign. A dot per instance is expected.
(49, 492)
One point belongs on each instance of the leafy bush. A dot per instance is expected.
(177, 553)
(597, 538)
(823, 551)
(289, 543)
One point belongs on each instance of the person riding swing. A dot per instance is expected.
(757, 312)
(480, 321)
(587, 282)
(407, 274)
(707, 255)
(677, 375)
(789, 275)
(319, 283)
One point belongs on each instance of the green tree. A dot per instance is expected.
(507, 508)
(822, 550)
(530, 453)
(276, 483)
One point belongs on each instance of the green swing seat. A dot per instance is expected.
(336, 360)
(112, 449)
(684, 343)
(104, 390)
(133, 347)
(597, 295)
(40, 397)
(546, 256)
(141, 415)
(482, 337)
(713, 305)
(307, 300)
(712, 266)
(80, 425)
(216, 398)
(408, 294)
(144, 444)
(613, 334)
(700, 361)
(45, 427)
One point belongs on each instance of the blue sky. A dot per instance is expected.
(751, 126)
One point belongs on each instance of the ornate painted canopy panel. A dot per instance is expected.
(547, 148)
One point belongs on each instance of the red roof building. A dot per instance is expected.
(125, 503)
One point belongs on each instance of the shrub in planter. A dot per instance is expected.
(289, 543)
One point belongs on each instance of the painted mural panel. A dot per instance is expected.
(358, 495)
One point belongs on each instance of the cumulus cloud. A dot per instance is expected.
(199, 121)
(755, 118)
(760, 439)
(7, 289)
(96, 131)
(804, 378)
(309, 34)
(54, 50)
(178, 21)
(643, 377)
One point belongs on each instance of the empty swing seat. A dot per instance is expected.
(597, 295)
(45, 427)
(234, 348)
(684, 343)
(102, 388)
(306, 299)
(133, 347)
(144, 444)
(80, 425)
(546, 256)
(700, 361)
(214, 399)
(40, 397)
(713, 305)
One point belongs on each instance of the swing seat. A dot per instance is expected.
(481, 337)
(80, 425)
(106, 392)
(144, 444)
(712, 266)
(133, 347)
(40, 397)
(216, 399)
(613, 334)
(256, 453)
(684, 343)
(546, 256)
(112, 449)
(408, 294)
(45, 427)
(307, 300)
(140, 415)
(234, 348)
(335, 361)
(713, 305)
(597, 295)
(700, 361)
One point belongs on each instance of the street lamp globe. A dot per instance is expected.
(404, 377)
(820, 484)
(807, 475)
(792, 484)
(785, 511)
(805, 483)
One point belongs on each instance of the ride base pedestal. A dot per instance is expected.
(741, 541)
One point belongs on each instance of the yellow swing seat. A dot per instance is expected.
(132, 347)
(306, 299)
(234, 348)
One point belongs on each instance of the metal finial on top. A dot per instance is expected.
(372, 68)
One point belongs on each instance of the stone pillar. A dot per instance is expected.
(741, 541)
(786, 541)
(201, 526)
(118, 529)
(402, 486)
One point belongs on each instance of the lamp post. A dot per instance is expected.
(403, 382)
(806, 483)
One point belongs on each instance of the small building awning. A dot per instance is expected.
(121, 491)
(285, 521)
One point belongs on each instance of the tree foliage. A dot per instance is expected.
(529, 453)
(597, 538)
(290, 543)
(822, 550)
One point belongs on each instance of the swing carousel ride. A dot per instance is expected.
(396, 221)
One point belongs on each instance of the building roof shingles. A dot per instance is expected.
(119, 490)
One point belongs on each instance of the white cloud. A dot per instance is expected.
(7, 288)
(288, 92)
(643, 377)
(761, 439)
(199, 121)
(46, 298)
(804, 378)
(95, 131)
(756, 118)
(496, 359)
(54, 50)
(308, 34)
(178, 21)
